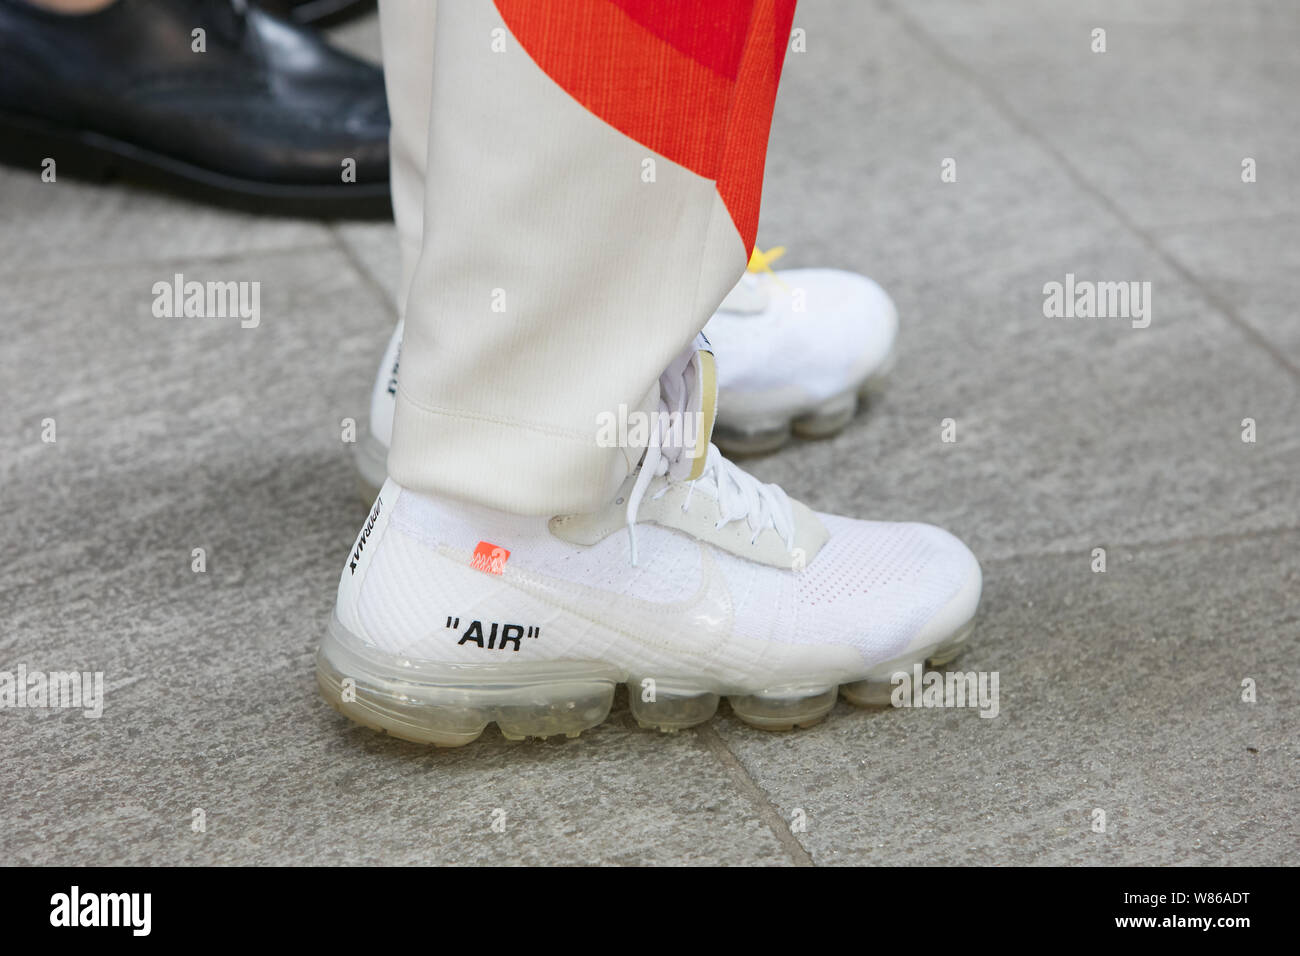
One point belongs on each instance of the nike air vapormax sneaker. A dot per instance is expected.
(697, 581)
(797, 349)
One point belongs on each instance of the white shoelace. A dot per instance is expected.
(738, 493)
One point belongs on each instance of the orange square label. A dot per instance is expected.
(489, 558)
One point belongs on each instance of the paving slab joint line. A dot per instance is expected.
(746, 784)
(1003, 107)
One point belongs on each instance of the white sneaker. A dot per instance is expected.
(797, 349)
(451, 616)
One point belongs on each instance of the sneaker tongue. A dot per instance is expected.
(688, 392)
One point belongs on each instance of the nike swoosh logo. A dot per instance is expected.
(685, 626)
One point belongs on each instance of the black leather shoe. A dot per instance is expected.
(269, 117)
(318, 12)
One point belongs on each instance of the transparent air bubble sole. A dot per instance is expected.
(450, 705)
(822, 421)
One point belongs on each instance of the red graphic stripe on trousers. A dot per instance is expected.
(693, 81)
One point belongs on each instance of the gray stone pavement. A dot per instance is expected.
(1119, 691)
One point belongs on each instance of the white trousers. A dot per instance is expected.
(551, 264)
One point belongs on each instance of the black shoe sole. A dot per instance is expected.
(27, 141)
(325, 13)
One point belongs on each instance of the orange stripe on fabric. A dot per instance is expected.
(693, 82)
(749, 121)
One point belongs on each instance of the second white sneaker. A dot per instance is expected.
(797, 351)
